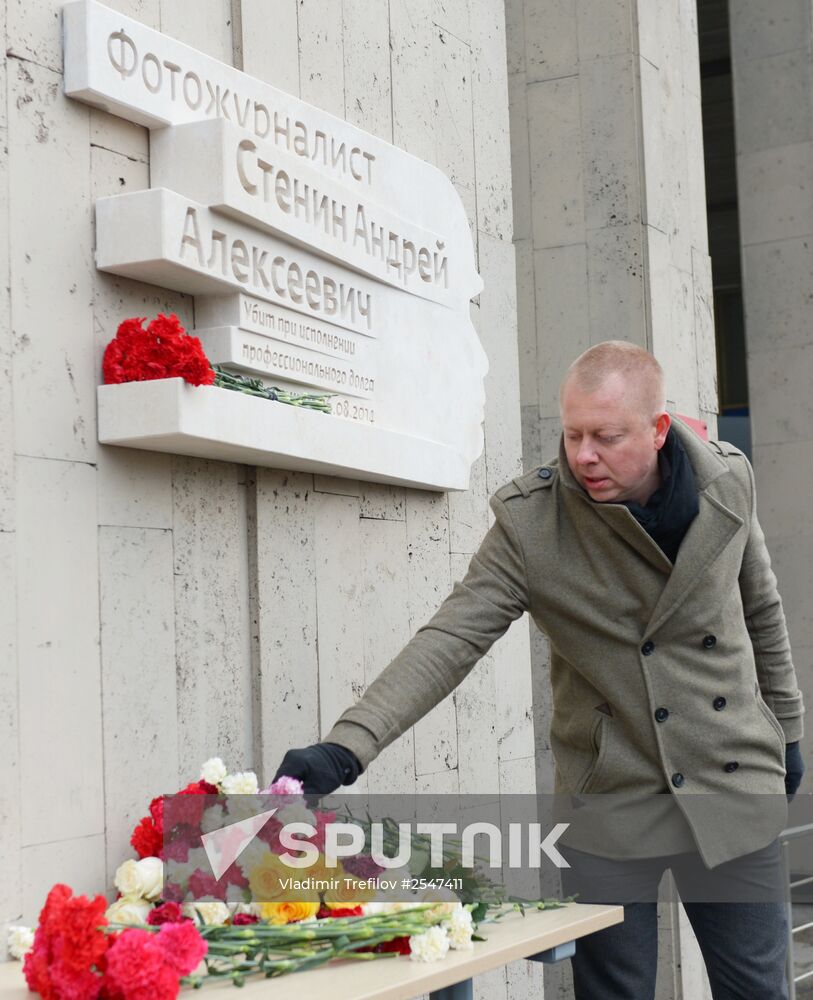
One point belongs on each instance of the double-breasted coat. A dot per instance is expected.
(673, 680)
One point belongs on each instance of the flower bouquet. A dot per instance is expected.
(166, 350)
(153, 938)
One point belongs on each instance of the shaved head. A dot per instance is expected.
(639, 370)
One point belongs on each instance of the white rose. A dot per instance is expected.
(152, 878)
(20, 940)
(241, 783)
(213, 771)
(207, 913)
(128, 879)
(297, 812)
(140, 879)
(430, 946)
(459, 927)
(129, 910)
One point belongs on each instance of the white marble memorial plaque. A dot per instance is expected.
(320, 256)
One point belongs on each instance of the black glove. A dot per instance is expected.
(321, 768)
(794, 768)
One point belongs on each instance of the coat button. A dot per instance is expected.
(648, 647)
(661, 714)
(731, 766)
(709, 641)
(545, 473)
(677, 779)
(719, 704)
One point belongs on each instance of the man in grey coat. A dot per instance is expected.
(639, 553)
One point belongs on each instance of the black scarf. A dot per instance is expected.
(673, 506)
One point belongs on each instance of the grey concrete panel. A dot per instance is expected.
(609, 140)
(520, 157)
(203, 24)
(77, 862)
(515, 36)
(211, 614)
(605, 28)
(562, 318)
(705, 344)
(337, 562)
(526, 323)
(58, 649)
(551, 40)
(139, 706)
(783, 488)
(6, 350)
(491, 118)
(774, 94)
(383, 579)
(557, 168)
(54, 381)
(413, 104)
(468, 512)
(454, 125)
(779, 387)
(270, 42)
(759, 29)
(503, 435)
(454, 17)
(284, 599)
(382, 501)
(367, 100)
(778, 281)
(321, 54)
(776, 193)
(616, 284)
(427, 525)
(10, 764)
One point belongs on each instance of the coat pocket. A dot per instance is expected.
(599, 740)
(771, 719)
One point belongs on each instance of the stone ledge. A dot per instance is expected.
(208, 422)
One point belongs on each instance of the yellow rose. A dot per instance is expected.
(348, 892)
(288, 912)
(267, 880)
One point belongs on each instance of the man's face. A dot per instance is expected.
(612, 440)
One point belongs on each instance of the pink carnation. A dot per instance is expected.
(284, 786)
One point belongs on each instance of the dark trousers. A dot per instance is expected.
(735, 909)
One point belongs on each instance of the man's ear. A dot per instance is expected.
(662, 424)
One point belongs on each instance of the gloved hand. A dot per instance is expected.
(321, 767)
(794, 768)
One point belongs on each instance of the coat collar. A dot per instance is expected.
(708, 534)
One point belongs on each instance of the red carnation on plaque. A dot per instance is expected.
(163, 350)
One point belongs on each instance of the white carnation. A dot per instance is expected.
(210, 913)
(430, 946)
(241, 783)
(459, 927)
(20, 940)
(212, 819)
(213, 771)
(129, 910)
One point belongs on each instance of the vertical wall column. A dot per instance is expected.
(611, 238)
(772, 67)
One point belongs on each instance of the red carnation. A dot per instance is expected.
(239, 919)
(183, 946)
(166, 913)
(163, 350)
(137, 969)
(147, 841)
(69, 945)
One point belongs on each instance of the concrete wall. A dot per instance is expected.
(169, 608)
(772, 62)
(611, 237)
